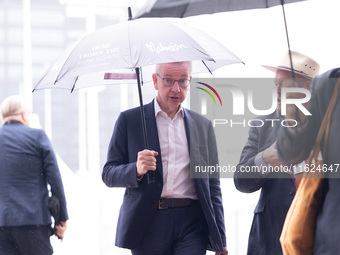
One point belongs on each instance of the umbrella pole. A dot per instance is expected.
(150, 175)
(289, 51)
(290, 54)
(145, 132)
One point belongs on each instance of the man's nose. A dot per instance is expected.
(175, 87)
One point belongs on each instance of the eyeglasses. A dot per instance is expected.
(168, 82)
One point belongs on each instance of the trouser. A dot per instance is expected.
(176, 231)
(25, 240)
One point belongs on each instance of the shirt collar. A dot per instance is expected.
(11, 122)
(159, 110)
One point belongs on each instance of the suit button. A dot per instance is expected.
(292, 192)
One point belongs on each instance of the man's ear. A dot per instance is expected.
(25, 117)
(154, 79)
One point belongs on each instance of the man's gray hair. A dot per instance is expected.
(158, 66)
(12, 105)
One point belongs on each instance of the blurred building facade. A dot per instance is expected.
(32, 35)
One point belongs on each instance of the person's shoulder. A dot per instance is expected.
(324, 83)
(194, 115)
(134, 114)
(131, 111)
(326, 77)
(332, 73)
(25, 128)
(34, 131)
(36, 134)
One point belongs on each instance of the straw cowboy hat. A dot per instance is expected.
(302, 65)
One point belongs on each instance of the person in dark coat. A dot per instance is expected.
(295, 144)
(28, 165)
(259, 158)
(175, 214)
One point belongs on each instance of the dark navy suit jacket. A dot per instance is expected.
(141, 199)
(28, 163)
(277, 190)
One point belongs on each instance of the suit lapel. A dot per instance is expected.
(151, 126)
(194, 152)
(187, 120)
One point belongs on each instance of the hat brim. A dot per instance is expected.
(275, 68)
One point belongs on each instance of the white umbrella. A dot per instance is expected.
(131, 45)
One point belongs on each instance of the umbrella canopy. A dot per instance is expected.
(133, 44)
(187, 8)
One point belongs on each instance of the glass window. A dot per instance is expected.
(37, 73)
(15, 54)
(15, 73)
(74, 35)
(47, 18)
(15, 35)
(2, 54)
(15, 16)
(42, 55)
(2, 72)
(2, 34)
(2, 16)
(53, 37)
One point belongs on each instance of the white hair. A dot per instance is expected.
(158, 66)
(12, 105)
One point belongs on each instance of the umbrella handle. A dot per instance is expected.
(150, 175)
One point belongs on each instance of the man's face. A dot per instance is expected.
(283, 79)
(169, 98)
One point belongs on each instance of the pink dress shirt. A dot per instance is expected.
(175, 155)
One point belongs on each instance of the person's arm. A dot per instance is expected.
(52, 173)
(60, 229)
(127, 161)
(225, 252)
(215, 188)
(249, 175)
(120, 170)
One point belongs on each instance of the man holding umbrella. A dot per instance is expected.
(175, 214)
